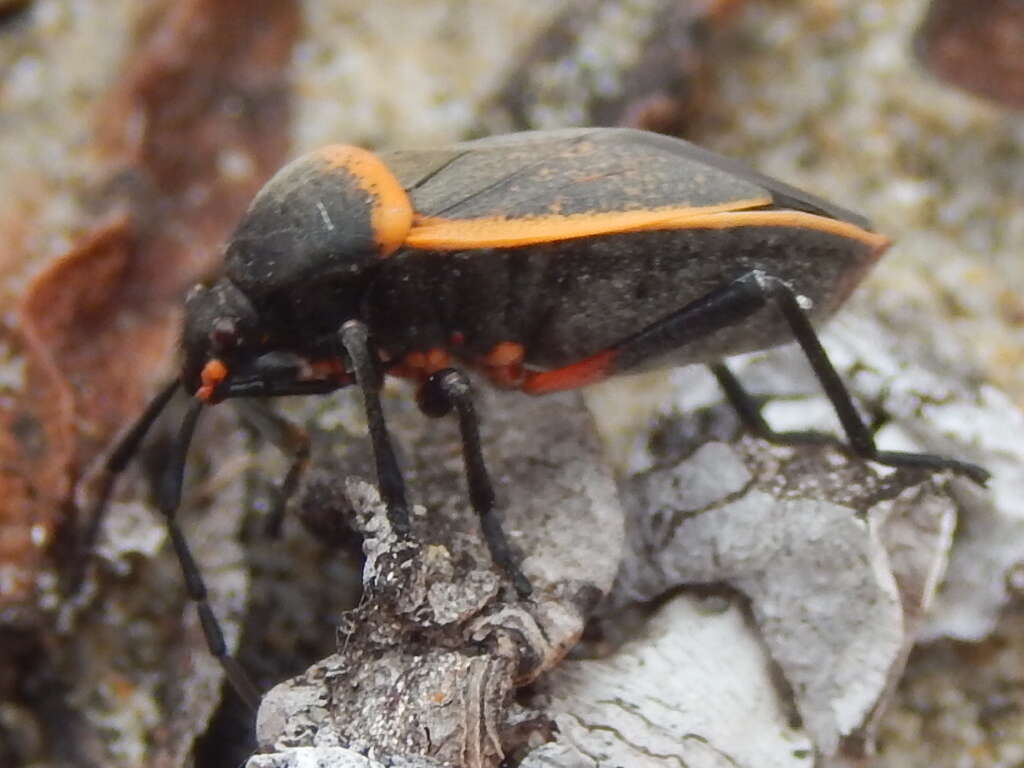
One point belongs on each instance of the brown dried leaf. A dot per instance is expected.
(190, 132)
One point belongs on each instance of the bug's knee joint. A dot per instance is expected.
(441, 391)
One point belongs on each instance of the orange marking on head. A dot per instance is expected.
(587, 371)
(495, 232)
(390, 209)
(213, 373)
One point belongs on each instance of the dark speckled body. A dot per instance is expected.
(304, 257)
(567, 300)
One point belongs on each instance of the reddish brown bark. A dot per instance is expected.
(190, 132)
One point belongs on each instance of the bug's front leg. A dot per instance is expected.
(292, 440)
(168, 500)
(124, 451)
(355, 339)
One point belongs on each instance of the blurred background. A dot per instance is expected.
(134, 132)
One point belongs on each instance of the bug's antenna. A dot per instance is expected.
(123, 452)
(169, 498)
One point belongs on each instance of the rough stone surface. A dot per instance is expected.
(428, 661)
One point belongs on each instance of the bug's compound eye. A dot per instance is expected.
(224, 335)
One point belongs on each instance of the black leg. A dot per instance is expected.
(749, 411)
(169, 499)
(118, 459)
(734, 304)
(291, 440)
(355, 339)
(439, 394)
(722, 308)
(861, 440)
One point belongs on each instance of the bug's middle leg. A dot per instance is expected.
(441, 392)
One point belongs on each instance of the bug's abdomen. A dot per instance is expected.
(567, 300)
(625, 283)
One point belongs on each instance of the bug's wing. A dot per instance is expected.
(560, 173)
(545, 186)
(783, 195)
(587, 171)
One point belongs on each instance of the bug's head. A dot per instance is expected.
(221, 332)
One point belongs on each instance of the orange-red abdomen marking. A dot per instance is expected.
(503, 365)
(419, 364)
(587, 371)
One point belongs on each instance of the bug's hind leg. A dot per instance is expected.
(168, 500)
(749, 411)
(861, 440)
(727, 306)
(440, 393)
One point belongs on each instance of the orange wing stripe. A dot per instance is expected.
(457, 234)
(494, 232)
(797, 219)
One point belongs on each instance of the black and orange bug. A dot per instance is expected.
(547, 260)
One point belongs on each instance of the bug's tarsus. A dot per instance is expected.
(355, 340)
(168, 501)
(440, 393)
